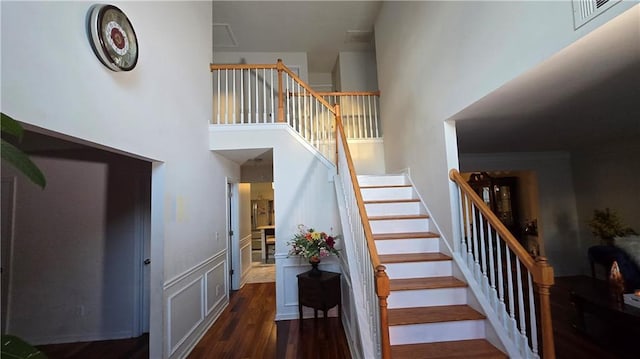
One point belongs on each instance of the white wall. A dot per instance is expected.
(357, 71)
(58, 261)
(558, 217)
(293, 60)
(436, 58)
(160, 110)
(77, 245)
(304, 194)
(321, 81)
(607, 177)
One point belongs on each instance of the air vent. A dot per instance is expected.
(223, 36)
(358, 36)
(585, 10)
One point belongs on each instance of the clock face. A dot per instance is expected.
(112, 37)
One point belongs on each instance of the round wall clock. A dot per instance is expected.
(112, 37)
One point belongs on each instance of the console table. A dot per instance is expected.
(319, 292)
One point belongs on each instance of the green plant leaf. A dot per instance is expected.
(20, 161)
(11, 126)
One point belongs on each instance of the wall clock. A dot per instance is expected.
(112, 37)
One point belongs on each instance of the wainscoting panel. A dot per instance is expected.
(245, 256)
(193, 300)
(215, 284)
(185, 312)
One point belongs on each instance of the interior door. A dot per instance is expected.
(8, 195)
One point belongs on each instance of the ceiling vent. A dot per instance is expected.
(358, 36)
(223, 36)
(586, 10)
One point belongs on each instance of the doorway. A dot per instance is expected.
(87, 235)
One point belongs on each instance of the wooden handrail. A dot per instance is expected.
(308, 88)
(539, 268)
(348, 93)
(213, 67)
(383, 286)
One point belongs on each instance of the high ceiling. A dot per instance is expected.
(588, 93)
(319, 28)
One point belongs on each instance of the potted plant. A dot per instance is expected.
(606, 225)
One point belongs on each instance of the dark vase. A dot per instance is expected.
(315, 272)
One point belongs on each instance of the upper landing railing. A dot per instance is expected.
(273, 93)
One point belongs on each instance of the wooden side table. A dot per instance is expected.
(321, 292)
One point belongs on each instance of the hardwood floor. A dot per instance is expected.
(247, 329)
(135, 348)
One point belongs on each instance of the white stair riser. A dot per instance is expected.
(413, 245)
(393, 209)
(389, 180)
(437, 332)
(427, 297)
(376, 194)
(419, 269)
(399, 225)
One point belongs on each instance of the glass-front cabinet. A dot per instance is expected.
(500, 194)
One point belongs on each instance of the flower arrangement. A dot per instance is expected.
(312, 245)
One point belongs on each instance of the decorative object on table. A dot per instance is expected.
(112, 37)
(606, 225)
(632, 299)
(616, 282)
(313, 246)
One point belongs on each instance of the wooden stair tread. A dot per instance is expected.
(426, 283)
(405, 235)
(399, 216)
(386, 186)
(392, 200)
(437, 314)
(413, 257)
(462, 349)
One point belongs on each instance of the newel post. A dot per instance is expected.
(280, 68)
(544, 286)
(383, 289)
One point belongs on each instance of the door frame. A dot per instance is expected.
(8, 182)
(232, 226)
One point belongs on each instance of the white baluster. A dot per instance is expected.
(483, 250)
(532, 316)
(476, 255)
(264, 96)
(370, 127)
(249, 91)
(257, 114)
(523, 325)
(492, 274)
(469, 204)
(463, 243)
(218, 111)
(502, 306)
(375, 112)
(234, 96)
(274, 87)
(226, 96)
(242, 96)
(513, 327)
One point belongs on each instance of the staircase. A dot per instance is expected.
(429, 315)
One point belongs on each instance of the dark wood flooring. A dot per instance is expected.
(247, 329)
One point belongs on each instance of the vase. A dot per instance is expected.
(314, 272)
(616, 283)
